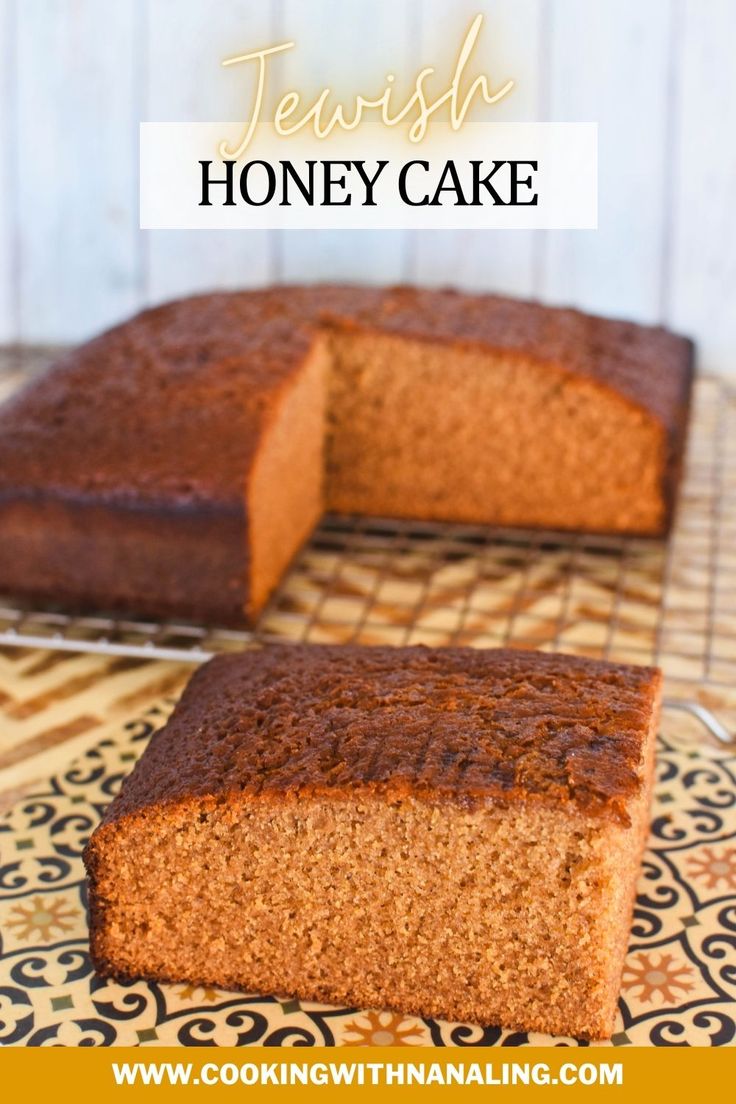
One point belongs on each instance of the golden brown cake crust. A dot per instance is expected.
(457, 724)
(170, 406)
(648, 365)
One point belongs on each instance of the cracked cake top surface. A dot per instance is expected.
(458, 724)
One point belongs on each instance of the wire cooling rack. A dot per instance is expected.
(391, 582)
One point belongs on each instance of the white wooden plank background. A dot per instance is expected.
(370, 39)
(609, 63)
(700, 277)
(8, 221)
(77, 76)
(512, 41)
(185, 44)
(78, 105)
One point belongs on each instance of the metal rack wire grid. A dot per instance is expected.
(379, 581)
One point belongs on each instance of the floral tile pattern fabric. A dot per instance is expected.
(678, 987)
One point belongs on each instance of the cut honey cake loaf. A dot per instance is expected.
(173, 466)
(452, 833)
(490, 410)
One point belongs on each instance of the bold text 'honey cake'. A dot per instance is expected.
(173, 466)
(453, 833)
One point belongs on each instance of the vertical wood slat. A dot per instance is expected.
(350, 47)
(77, 207)
(700, 292)
(609, 63)
(8, 166)
(508, 47)
(186, 42)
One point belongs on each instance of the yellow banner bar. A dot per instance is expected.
(630, 1074)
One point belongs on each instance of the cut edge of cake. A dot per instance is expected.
(284, 492)
(533, 444)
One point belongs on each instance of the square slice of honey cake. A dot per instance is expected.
(450, 832)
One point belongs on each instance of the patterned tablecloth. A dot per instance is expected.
(679, 985)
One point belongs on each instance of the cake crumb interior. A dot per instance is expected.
(496, 916)
(422, 430)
